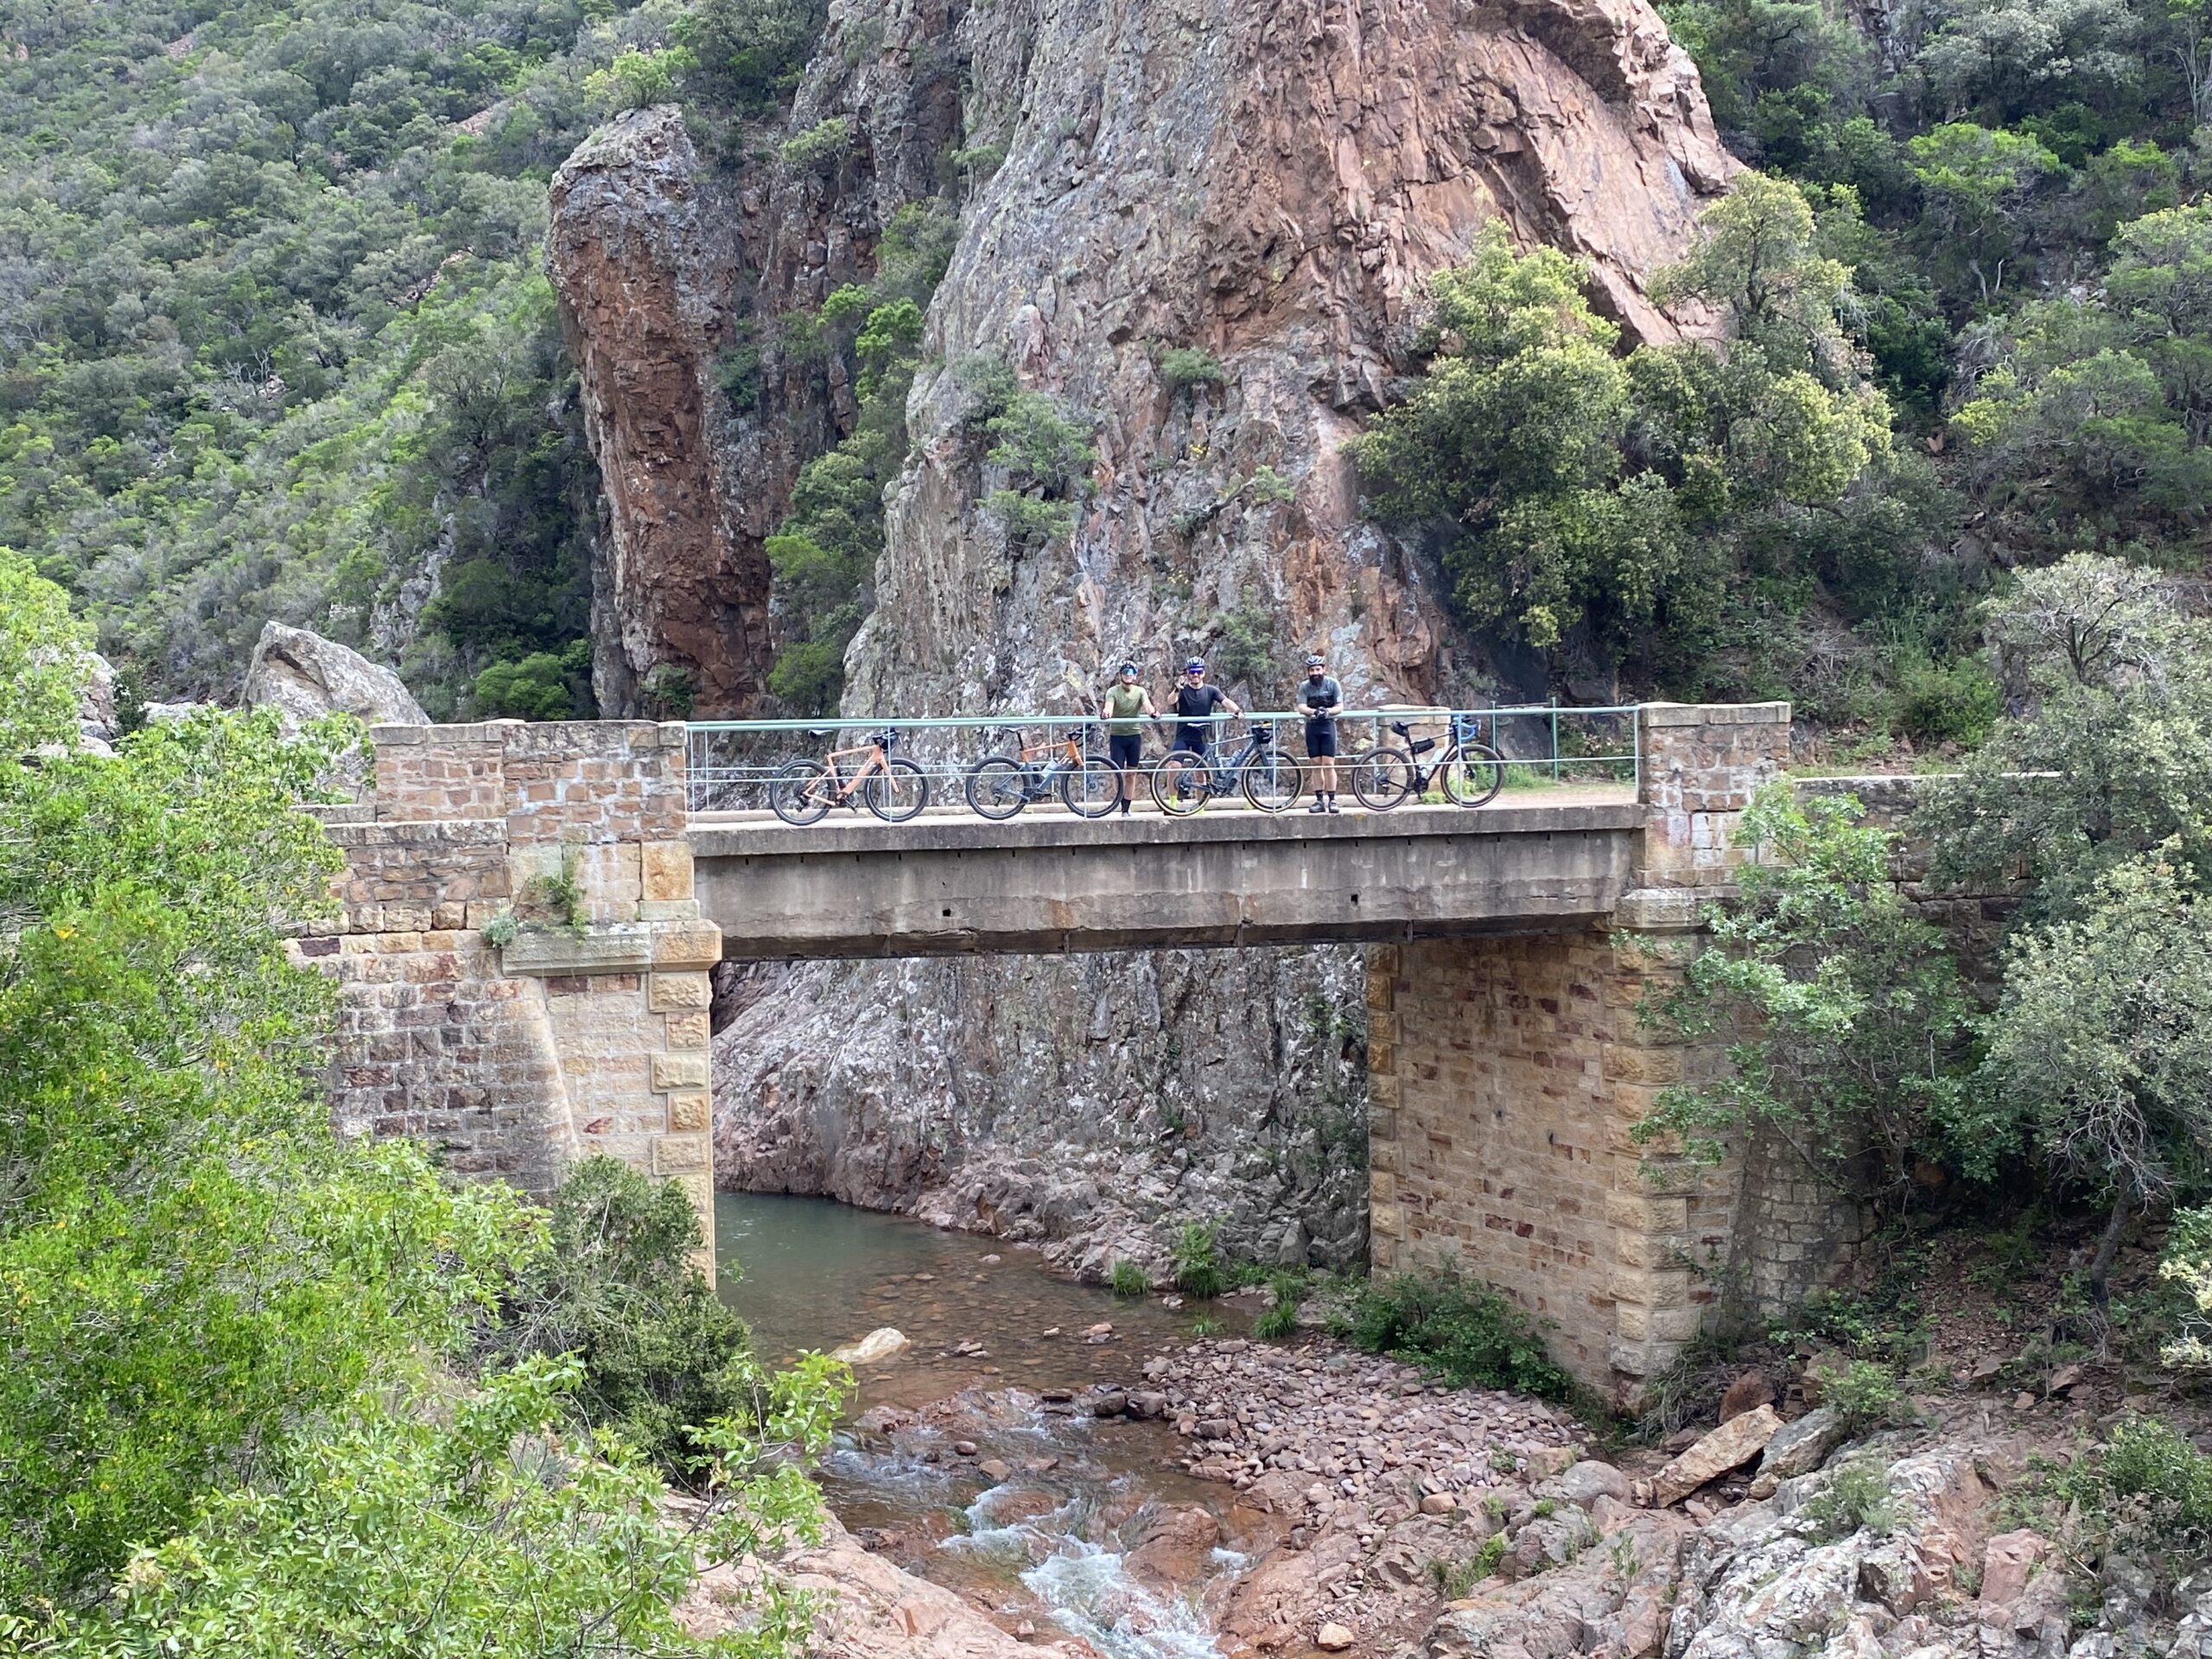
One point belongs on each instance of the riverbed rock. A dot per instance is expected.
(1750, 1390)
(1173, 1553)
(1732, 1445)
(1333, 1638)
(1799, 1447)
(879, 1343)
(995, 1469)
(1762, 1580)
(1585, 1482)
(303, 677)
(871, 1610)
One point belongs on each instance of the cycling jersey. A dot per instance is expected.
(1192, 701)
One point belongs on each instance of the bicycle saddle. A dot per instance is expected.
(822, 734)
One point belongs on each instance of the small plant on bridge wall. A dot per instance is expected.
(558, 894)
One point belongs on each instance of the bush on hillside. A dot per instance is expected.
(1460, 1331)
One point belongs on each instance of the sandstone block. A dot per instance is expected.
(679, 1071)
(674, 1154)
(687, 1030)
(690, 1111)
(1729, 1446)
(667, 869)
(694, 944)
(672, 993)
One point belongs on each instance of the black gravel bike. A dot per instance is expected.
(1270, 780)
(1470, 774)
(1089, 784)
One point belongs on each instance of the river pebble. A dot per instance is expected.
(1343, 1425)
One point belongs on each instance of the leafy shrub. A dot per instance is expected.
(1461, 1331)
(670, 692)
(1865, 1394)
(635, 79)
(1042, 442)
(1267, 487)
(542, 686)
(1857, 1497)
(1957, 703)
(824, 141)
(1286, 1291)
(1185, 366)
(1197, 1261)
(621, 1290)
(1125, 1278)
(1028, 518)
(1206, 1324)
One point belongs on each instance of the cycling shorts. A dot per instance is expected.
(1192, 738)
(1321, 739)
(1127, 753)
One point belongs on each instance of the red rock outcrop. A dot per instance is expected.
(644, 261)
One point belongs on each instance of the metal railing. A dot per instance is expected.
(731, 762)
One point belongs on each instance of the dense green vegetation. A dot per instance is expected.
(1460, 1332)
(279, 341)
(234, 1338)
(1967, 324)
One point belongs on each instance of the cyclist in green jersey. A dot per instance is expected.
(1127, 705)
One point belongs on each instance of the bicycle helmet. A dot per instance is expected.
(1315, 659)
(1195, 665)
(1127, 668)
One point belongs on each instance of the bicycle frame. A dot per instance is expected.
(843, 786)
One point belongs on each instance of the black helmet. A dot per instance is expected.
(1127, 668)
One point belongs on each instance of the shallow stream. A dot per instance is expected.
(1060, 1539)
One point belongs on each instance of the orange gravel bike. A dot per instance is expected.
(866, 775)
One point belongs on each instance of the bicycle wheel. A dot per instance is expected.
(801, 792)
(1271, 780)
(1383, 777)
(1181, 784)
(997, 787)
(1093, 789)
(1473, 774)
(896, 795)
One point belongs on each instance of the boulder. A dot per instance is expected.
(1732, 1445)
(99, 727)
(2022, 1584)
(1747, 1393)
(879, 1343)
(1800, 1447)
(1586, 1482)
(303, 676)
(1332, 1638)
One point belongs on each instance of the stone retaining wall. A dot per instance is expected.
(586, 1032)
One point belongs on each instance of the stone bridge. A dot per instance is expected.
(529, 916)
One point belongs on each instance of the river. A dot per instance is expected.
(1056, 1533)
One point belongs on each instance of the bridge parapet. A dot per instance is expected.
(522, 967)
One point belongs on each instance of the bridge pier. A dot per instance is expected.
(1506, 1076)
(587, 1030)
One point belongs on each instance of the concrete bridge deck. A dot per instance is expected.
(950, 885)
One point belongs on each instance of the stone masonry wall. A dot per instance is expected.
(1506, 1076)
(587, 1031)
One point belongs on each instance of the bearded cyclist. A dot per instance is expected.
(1320, 696)
(1194, 700)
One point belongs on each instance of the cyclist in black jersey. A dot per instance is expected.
(1195, 699)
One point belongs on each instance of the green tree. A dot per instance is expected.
(1854, 1022)
(229, 1422)
(2109, 754)
(2104, 1041)
(618, 1287)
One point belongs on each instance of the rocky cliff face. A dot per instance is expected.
(1269, 182)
